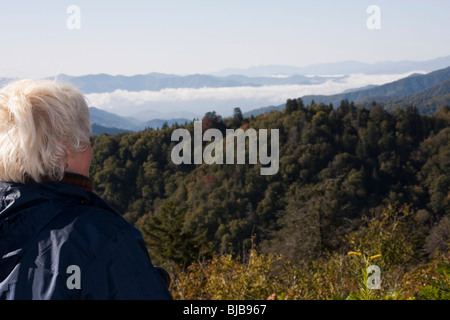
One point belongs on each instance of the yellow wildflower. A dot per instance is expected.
(375, 256)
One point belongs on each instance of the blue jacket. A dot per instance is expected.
(59, 241)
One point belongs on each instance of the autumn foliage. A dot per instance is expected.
(351, 179)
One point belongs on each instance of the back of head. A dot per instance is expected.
(40, 121)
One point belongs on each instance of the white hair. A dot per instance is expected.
(41, 122)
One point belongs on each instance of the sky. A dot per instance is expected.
(43, 38)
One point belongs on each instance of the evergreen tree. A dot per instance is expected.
(167, 238)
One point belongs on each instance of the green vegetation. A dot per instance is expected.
(428, 92)
(360, 180)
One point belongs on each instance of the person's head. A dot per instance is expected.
(44, 131)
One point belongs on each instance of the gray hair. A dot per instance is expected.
(41, 121)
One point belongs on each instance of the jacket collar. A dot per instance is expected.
(78, 180)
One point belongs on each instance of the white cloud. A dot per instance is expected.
(173, 101)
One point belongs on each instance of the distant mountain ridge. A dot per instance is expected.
(384, 94)
(427, 92)
(100, 83)
(108, 122)
(252, 76)
(98, 129)
(341, 68)
(428, 100)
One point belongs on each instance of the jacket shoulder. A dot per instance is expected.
(112, 258)
(89, 226)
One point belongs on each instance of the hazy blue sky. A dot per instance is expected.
(199, 36)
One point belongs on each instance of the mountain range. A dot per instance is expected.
(111, 123)
(99, 83)
(341, 68)
(152, 100)
(253, 76)
(428, 92)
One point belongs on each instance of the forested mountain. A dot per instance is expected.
(426, 92)
(428, 99)
(404, 89)
(112, 120)
(337, 166)
(99, 129)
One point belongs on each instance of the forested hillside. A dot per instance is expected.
(350, 179)
(428, 92)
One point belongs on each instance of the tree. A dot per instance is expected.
(167, 238)
(291, 106)
(213, 120)
(237, 117)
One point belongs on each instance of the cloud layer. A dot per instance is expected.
(187, 102)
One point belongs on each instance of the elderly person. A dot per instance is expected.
(58, 239)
